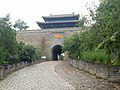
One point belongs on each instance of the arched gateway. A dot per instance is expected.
(50, 38)
(56, 52)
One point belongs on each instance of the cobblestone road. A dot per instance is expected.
(82, 80)
(37, 77)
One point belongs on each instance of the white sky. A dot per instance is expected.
(31, 11)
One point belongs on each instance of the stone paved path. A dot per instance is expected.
(82, 80)
(37, 77)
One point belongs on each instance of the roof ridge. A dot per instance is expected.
(62, 15)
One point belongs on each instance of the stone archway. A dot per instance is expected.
(56, 52)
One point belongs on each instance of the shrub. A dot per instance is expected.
(96, 56)
(38, 53)
(72, 44)
(26, 52)
(116, 62)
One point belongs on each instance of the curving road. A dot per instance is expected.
(37, 77)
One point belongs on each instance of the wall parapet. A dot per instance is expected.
(49, 30)
(110, 73)
(7, 69)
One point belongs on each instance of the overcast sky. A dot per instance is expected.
(31, 11)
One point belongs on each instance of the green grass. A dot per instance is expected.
(96, 56)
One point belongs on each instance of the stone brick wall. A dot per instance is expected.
(101, 71)
(44, 38)
(114, 73)
(6, 70)
(111, 73)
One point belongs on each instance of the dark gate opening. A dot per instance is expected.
(56, 52)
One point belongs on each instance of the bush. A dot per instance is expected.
(72, 44)
(38, 53)
(12, 51)
(96, 56)
(26, 52)
(116, 62)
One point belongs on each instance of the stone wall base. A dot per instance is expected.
(111, 73)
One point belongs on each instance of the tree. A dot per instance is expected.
(104, 34)
(107, 20)
(12, 51)
(81, 23)
(21, 25)
(8, 50)
(26, 52)
(72, 44)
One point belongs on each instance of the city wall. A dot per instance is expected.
(44, 39)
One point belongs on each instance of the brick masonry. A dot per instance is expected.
(111, 73)
(43, 39)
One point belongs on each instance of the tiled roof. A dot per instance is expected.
(60, 21)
